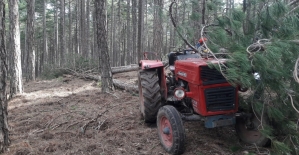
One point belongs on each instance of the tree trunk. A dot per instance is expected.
(112, 38)
(30, 47)
(37, 60)
(129, 43)
(247, 10)
(196, 22)
(203, 13)
(62, 33)
(16, 84)
(158, 29)
(106, 74)
(82, 29)
(95, 45)
(56, 52)
(134, 35)
(45, 48)
(70, 47)
(146, 28)
(87, 47)
(4, 139)
(140, 29)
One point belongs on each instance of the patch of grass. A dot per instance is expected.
(60, 78)
(134, 94)
(73, 107)
(235, 148)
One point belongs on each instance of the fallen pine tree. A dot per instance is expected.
(121, 69)
(117, 83)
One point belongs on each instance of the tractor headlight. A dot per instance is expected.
(179, 93)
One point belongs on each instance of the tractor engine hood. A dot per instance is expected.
(196, 71)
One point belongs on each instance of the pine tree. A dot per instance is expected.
(262, 57)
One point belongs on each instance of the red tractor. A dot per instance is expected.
(191, 91)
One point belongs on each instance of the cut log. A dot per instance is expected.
(117, 83)
(128, 66)
(125, 86)
(122, 69)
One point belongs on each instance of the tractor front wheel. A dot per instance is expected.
(249, 130)
(171, 130)
(149, 94)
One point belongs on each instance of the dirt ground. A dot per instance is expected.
(71, 116)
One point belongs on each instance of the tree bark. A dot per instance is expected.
(129, 43)
(112, 39)
(56, 52)
(62, 33)
(87, 27)
(134, 35)
(158, 29)
(121, 85)
(95, 45)
(16, 84)
(30, 41)
(196, 22)
(82, 29)
(70, 46)
(122, 69)
(45, 48)
(4, 139)
(203, 22)
(106, 74)
(140, 29)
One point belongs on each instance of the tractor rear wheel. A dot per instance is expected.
(249, 132)
(149, 94)
(171, 130)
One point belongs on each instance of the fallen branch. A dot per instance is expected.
(72, 125)
(75, 123)
(100, 125)
(83, 128)
(49, 123)
(58, 125)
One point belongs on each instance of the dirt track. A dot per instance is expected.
(72, 116)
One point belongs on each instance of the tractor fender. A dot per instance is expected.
(156, 64)
(150, 64)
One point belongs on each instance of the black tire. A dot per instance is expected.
(252, 135)
(149, 94)
(171, 130)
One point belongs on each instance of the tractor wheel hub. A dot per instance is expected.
(166, 130)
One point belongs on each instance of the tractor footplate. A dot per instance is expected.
(219, 120)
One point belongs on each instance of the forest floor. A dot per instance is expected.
(69, 115)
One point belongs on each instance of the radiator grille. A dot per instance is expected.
(211, 76)
(222, 98)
